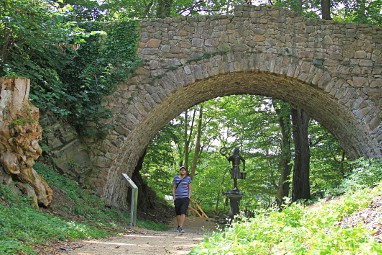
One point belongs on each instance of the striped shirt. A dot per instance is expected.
(182, 189)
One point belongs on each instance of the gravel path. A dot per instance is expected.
(142, 241)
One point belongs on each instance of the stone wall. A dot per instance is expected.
(20, 133)
(331, 70)
(68, 152)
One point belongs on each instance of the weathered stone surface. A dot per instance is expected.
(333, 71)
(19, 135)
(153, 43)
(70, 154)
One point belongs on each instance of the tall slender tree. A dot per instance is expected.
(301, 185)
(283, 111)
(325, 10)
(198, 147)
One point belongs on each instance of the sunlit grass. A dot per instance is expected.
(300, 230)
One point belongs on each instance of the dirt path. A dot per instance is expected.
(142, 241)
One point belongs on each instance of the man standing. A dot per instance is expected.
(181, 192)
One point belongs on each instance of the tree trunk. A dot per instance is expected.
(148, 200)
(325, 10)
(20, 133)
(186, 141)
(164, 8)
(301, 186)
(285, 157)
(296, 6)
(219, 194)
(146, 197)
(187, 134)
(197, 143)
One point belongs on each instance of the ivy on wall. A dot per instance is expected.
(105, 59)
(67, 81)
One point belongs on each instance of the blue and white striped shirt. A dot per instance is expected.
(182, 189)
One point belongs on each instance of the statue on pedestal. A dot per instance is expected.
(235, 195)
(235, 158)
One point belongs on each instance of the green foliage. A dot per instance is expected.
(366, 12)
(22, 225)
(103, 61)
(160, 164)
(250, 123)
(81, 216)
(34, 39)
(164, 8)
(85, 10)
(83, 204)
(328, 162)
(299, 230)
(365, 173)
(212, 179)
(86, 206)
(40, 38)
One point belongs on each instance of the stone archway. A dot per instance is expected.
(332, 71)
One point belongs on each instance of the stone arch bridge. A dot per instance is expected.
(331, 70)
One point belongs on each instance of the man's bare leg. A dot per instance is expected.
(182, 218)
(178, 220)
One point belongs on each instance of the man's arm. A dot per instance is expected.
(189, 190)
(173, 191)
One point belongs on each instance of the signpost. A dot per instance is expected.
(134, 200)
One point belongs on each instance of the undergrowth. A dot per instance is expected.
(77, 215)
(299, 230)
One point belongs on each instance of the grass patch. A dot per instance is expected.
(21, 226)
(74, 214)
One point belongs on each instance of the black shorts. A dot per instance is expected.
(181, 205)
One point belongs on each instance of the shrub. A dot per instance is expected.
(366, 173)
(299, 230)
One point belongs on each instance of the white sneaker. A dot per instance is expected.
(181, 230)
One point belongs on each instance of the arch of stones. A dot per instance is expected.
(331, 70)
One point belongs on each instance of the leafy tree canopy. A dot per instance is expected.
(70, 64)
